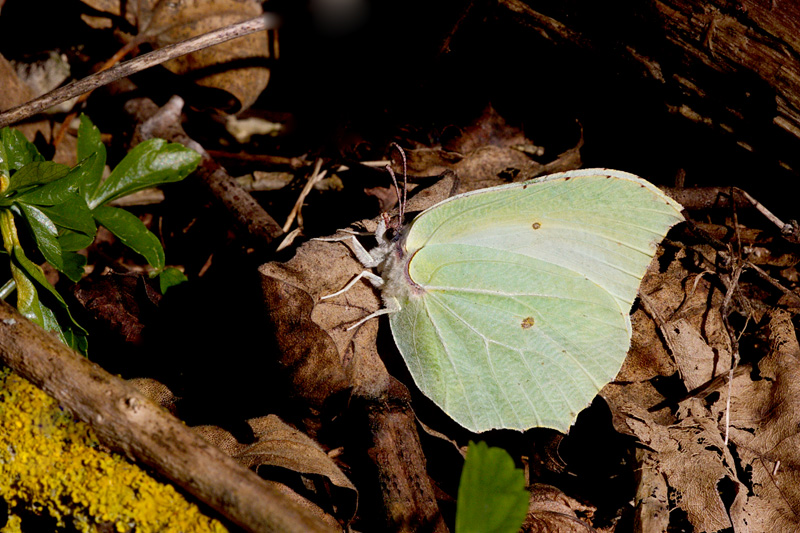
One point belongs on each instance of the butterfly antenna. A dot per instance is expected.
(397, 189)
(402, 201)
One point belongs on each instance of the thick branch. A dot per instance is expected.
(125, 420)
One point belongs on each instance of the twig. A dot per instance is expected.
(298, 205)
(789, 231)
(127, 421)
(791, 295)
(247, 213)
(89, 83)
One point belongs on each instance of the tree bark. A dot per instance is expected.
(733, 65)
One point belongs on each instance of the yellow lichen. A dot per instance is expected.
(53, 465)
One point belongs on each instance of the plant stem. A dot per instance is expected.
(7, 289)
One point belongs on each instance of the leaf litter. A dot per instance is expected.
(708, 397)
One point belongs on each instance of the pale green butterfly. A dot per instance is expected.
(510, 305)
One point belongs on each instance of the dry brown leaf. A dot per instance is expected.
(235, 66)
(14, 92)
(685, 464)
(158, 392)
(121, 302)
(552, 511)
(489, 129)
(278, 445)
(765, 417)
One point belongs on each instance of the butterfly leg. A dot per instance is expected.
(357, 248)
(379, 312)
(376, 281)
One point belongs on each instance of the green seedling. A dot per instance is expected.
(61, 208)
(491, 496)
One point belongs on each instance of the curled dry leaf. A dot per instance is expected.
(278, 445)
(552, 510)
(158, 392)
(121, 302)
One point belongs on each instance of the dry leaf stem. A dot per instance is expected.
(127, 421)
(89, 83)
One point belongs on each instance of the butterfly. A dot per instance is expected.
(511, 305)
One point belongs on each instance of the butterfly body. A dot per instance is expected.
(510, 305)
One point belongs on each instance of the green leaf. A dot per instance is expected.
(35, 273)
(90, 143)
(169, 278)
(491, 496)
(44, 233)
(77, 340)
(72, 214)
(59, 191)
(90, 140)
(73, 265)
(151, 163)
(27, 297)
(71, 241)
(133, 233)
(5, 171)
(19, 151)
(36, 173)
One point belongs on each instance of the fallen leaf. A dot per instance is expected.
(276, 445)
(236, 67)
(552, 510)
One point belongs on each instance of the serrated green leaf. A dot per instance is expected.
(59, 191)
(151, 163)
(491, 495)
(169, 278)
(71, 241)
(44, 233)
(133, 233)
(36, 173)
(90, 143)
(19, 150)
(72, 214)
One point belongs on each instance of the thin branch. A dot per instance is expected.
(62, 94)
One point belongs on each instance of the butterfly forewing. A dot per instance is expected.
(526, 290)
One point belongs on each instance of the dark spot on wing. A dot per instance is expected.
(536, 225)
(527, 322)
